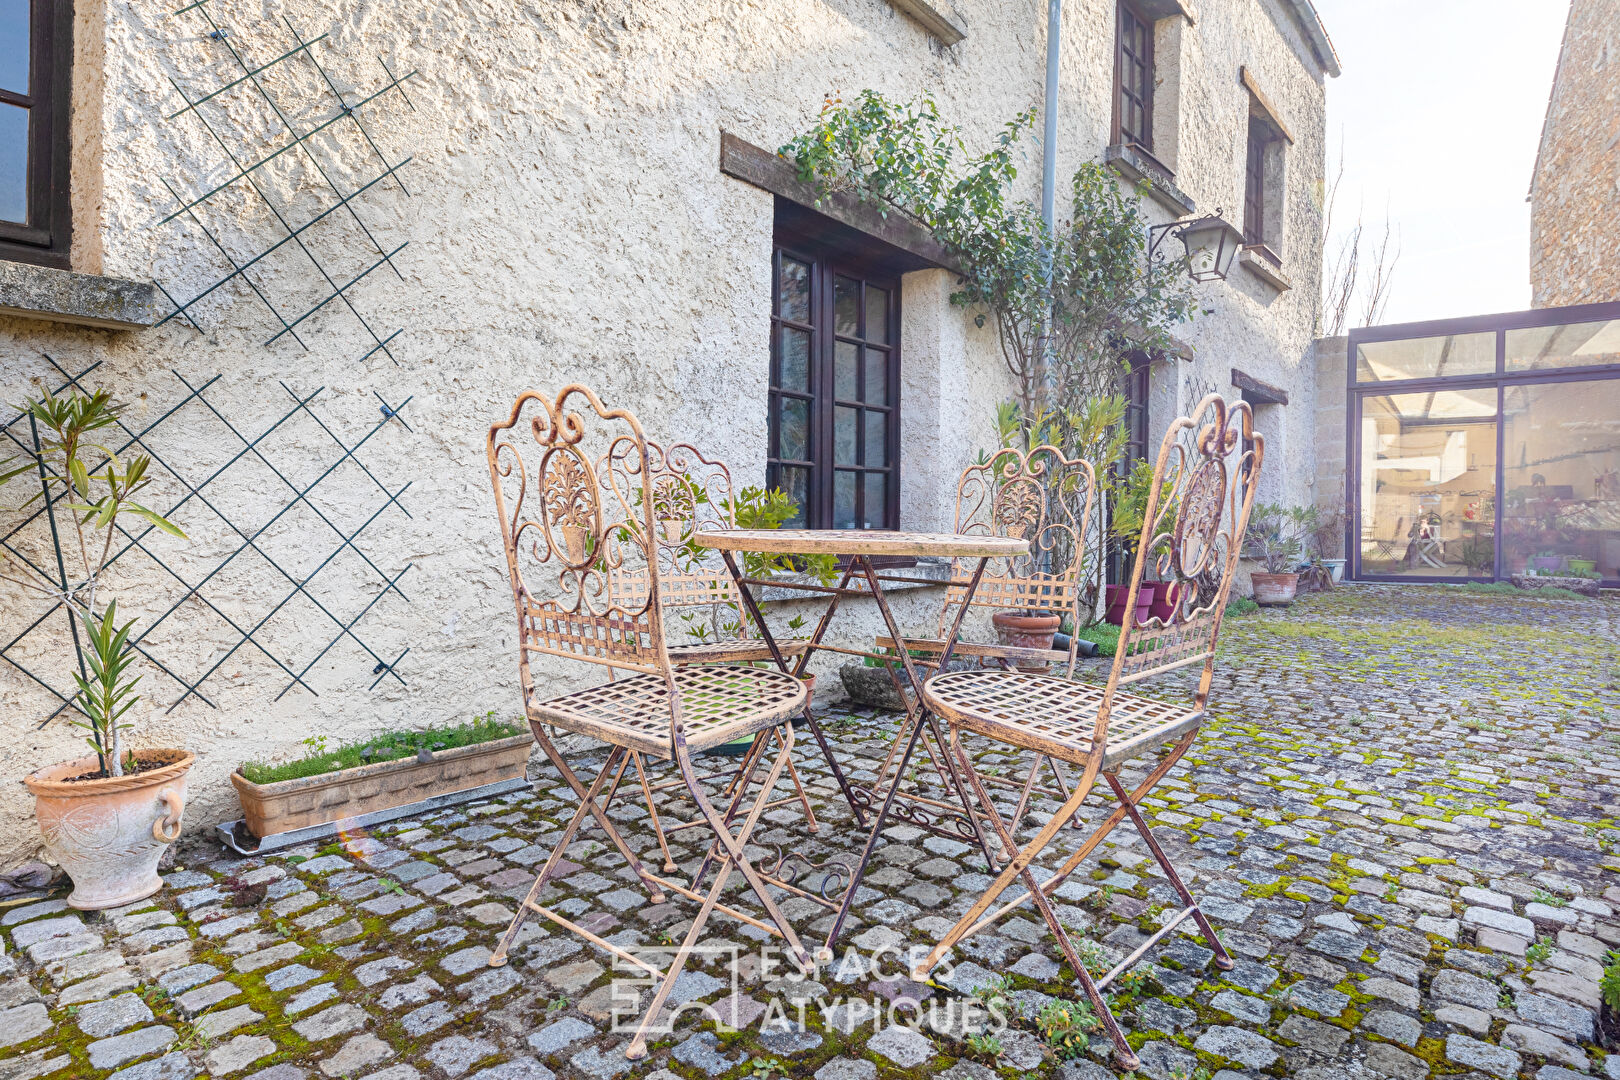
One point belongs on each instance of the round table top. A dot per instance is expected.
(861, 542)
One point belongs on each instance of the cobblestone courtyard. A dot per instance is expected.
(1401, 820)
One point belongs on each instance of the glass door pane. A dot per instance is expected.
(1428, 484)
(1561, 478)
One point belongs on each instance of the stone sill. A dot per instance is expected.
(1134, 165)
(936, 18)
(937, 571)
(63, 296)
(1264, 269)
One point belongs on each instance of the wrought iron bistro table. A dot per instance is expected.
(859, 548)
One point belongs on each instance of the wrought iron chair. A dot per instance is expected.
(1041, 496)
(574, 537)
(1197, 509)
(702, 607)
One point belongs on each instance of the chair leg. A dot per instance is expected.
(733, 858)
(652, 812)
(1125, 1057)
(498, 957)
(597, 812)
(804, 799)
(1223, 959)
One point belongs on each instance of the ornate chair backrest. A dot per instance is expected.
(689, 493)
(575, 533)
(1197, 510)
(1041, 496)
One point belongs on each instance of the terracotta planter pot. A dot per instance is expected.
(1027, 630)
(285, 805)
(109, 834)
(1275, 588)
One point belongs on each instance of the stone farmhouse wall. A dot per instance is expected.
(567, 220)
(1574, 234)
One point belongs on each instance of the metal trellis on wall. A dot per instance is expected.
(262, 498)
(289, 137)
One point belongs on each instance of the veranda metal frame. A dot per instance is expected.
(1498, 379)
(576, 559)
(1198, 527)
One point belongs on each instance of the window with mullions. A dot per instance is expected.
(1133, 78)
(835, 386)
(35, 46)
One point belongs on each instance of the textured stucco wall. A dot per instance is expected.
(567, 220)
(1574, 232)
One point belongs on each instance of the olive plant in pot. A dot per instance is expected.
(105, 818)
(1276, 536)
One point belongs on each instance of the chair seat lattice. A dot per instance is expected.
(1055, 716)
(718, 704)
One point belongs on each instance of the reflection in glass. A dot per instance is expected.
(794, 288)
(877, 377)
(795, 359)
(796, 482)
(1426, 358)
(876, 488)
(1428, 484)
(14, 46)
(844, 436)
(877, 439)
(845, 372)
(877, 315)
(847, 306)
(793, 430)
(1574, 345)
(843, 499)
(1561, 478)
(13, 164)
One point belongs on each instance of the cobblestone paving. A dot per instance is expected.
(1401, 820)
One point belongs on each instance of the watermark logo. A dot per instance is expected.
(852, 990)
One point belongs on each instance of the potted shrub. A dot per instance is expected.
(1276, 536)
(378, 773)
(1549, 561)
(1125, 525)
(108, 817)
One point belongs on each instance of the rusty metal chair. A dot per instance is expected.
(1042, 496)
(703, 610)
(574, 537)
(1197, 509)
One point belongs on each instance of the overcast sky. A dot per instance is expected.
(1439, 110)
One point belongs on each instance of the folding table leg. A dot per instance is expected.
(815, 639)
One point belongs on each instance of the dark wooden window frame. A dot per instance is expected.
(46, 237)
(1258, 141)
(827, 264)
(1126, 62)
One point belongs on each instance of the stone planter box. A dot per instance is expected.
(268, 809)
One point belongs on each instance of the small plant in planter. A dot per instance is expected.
(106, 818)
(1276, 536)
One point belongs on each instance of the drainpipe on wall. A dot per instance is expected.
(1054, 33)
(1054, 41)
